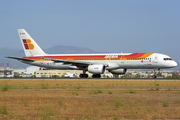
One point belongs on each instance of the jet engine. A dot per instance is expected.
(118, 71)
(96, 69)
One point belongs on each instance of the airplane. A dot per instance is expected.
(70, 75)
(97, 64)
(10, 75)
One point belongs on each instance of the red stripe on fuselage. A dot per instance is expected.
(133, 55)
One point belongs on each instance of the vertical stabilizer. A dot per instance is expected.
(31, 48)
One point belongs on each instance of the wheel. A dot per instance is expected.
(83, 75)
(154, 76)
(96, 76)
(86, 75)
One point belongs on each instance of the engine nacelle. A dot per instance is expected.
(96, 69)
(118, 71)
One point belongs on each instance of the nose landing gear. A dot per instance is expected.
(155, 73)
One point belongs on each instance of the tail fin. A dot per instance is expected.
(30, 47)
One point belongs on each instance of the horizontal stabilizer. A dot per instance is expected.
(21, 59)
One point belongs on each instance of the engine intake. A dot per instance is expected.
(96, 69)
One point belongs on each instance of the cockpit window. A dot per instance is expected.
(167, 59)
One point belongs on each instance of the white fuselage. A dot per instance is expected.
(154, 61)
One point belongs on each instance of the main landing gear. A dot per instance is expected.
(84, 75)
(93, 76)
(96, 76)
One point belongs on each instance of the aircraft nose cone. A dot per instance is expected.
(174, 64)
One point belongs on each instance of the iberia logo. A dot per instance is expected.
(27, 44)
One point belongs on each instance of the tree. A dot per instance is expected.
(116, 76)
(174, 75)
(159, 74)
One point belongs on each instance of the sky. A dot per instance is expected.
(127, 26)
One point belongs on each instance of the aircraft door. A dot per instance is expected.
(122, 59)
(156, 59)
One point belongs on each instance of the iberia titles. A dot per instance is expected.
(111, 56)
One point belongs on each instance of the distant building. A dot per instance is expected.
(32, 69)
(19, 71)
(59, 73)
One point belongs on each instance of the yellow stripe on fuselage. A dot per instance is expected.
(146, 55)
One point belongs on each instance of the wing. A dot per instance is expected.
(75, 63)
(21, 59)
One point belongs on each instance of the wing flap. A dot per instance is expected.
(76, 63)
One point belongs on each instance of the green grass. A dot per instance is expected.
(5, 87)
(107, 86)
(157, 88)
(25, 87)
(148, 108)
(60, 101)
(48, 113)
(63, 87)
(25, 103)
(90, 92)
(169, 88)
(115, 118)
(3, 110)
(151, 89)
(132, 91)
(175, 87)
(118, 103)
(44, 86)
(165, 103)
(99, 102)
(75, 93)
(97, 91)
(79, 86)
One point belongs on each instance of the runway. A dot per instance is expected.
(96, 79)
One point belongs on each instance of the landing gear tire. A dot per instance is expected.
(155, 73)
(96, 76)
(83, 75)
(154, 76)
